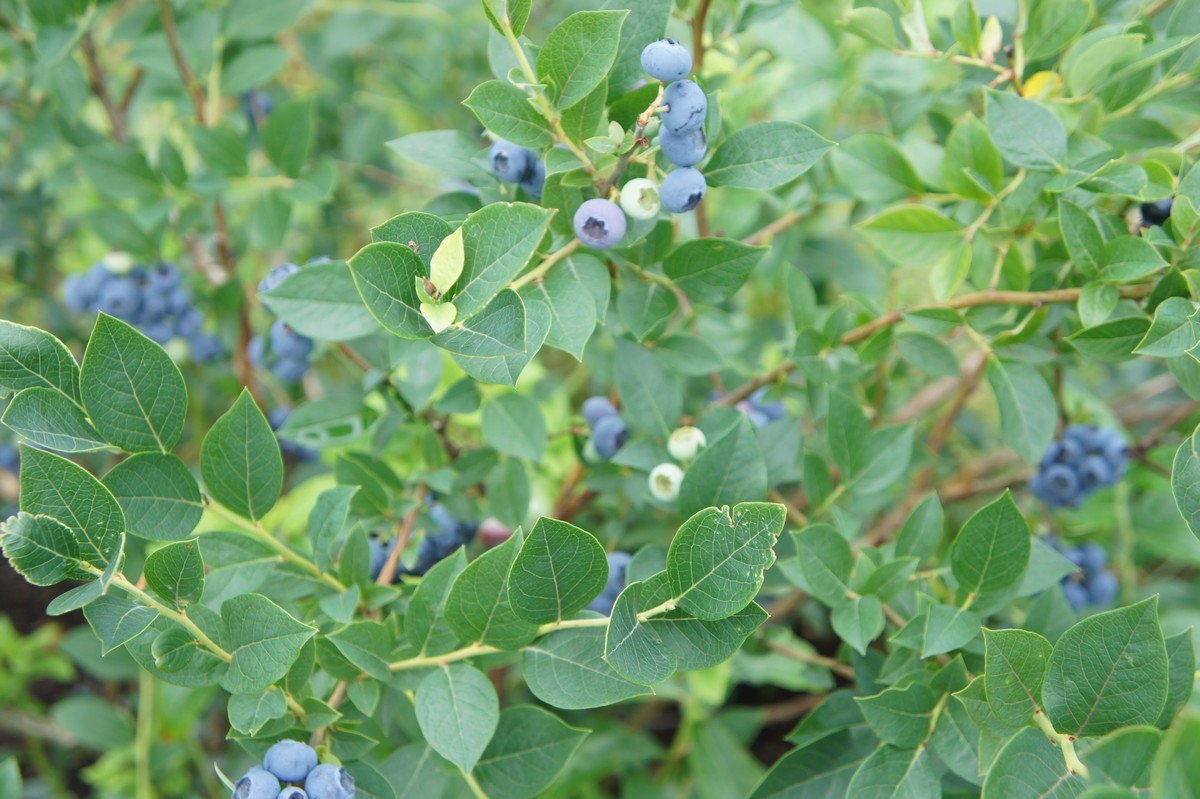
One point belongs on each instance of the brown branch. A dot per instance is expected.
(131, 90)
(698, 21)
(768, 232)
(819, 660)
(388, 572)
(185, 71)
(99, 87)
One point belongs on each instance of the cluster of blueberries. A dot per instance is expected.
(1094, 583)
(618, 566)
(451, 535)
(758, 409)
(601, 223)
(288, 765)
(521, 165)
(609, 432)
(1086, 459)
(1156, 213)
(290, 449)
(153, 299)
(283, 351)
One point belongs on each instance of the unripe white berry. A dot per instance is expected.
(639, 198)
(119, 263)
(685, 442)
(665, 479)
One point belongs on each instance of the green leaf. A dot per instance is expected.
(495, 332)
(1053, 24)
(1027, 407)
(10, 777)
(498, 241)
(132, 389)
(478, 606)
(1185, 481)
(557, 572)
(717, 558)
(700, 644)
(646, 308)
(1090, 61)
(1030, 767)
(40, 548)
(1112, 341)
(1171, 333)
(578, 54)
(288, 135)
(176, 572)
(633, 647)
(973, 167)
(249, 713)
(991, 551)
(506, 111)
(117, 620)
(729, 469)
(451, 152)
(458, 712)
(1108, 671)
(506, 369)
(955, 741)
(1127, 258)
(858, 622)
(821, 768)
(321, 301)
(158, 494)
(508, 492)
(48, 418)
(384, 274)
(56, 487)
(1081, 235)
(1125, 757)
(1015, 663)
(913, 235)
(264, 641)
(1025, 132)
(875, 169)
(420, 232)
(32, 358)
(826, 561)
(221, 149)
(426, 623)
(566, 669)
(366, 644)
(872, 24)
(572, 309)
(765, 155)
(1181, 660)
(513, 424)
(948, 628)
(120, 173)
(529, 750)
(922, 531)
(651, 398)
(711, 270)
(327, 520)
(901, 717)
(892, 772)
(240, 460)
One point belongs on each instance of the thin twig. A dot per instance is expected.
(99, 87)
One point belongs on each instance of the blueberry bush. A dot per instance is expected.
(585, 398)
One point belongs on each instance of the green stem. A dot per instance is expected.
(550, 260)
(259, 532)
(473, 784)
(144, 735)
(1065, 742)
(122, 582)
(477, 649)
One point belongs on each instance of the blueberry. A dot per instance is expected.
(276, 276)
(639, 198)
(188, 323)
(1076, 594)
(684, 107)
(666, 60)
(683, 149)
(665, 479)
(10, 457)
(328, 781)
(758, 418)
(596, 408)
(293, 793)
(443, 519)
(163, 277)
(609, 435)
(685, 442)
(287, 343)
(1156, 213)
(600, 224)
(257, 784)
(179, 300)
(682, 190)
(118, 297)
(535, 181)
(206, 348)
(256, 349)
(1102, 588)
(159, 332)
(258, 105)
(1092, 557)
(153, 304)
(290, 370)
(77, 294)
(1094, 472)
(772, 409)
(1062, 484)
(618, 566)
(511, 162)
(290, 761)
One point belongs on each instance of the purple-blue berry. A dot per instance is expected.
(1102, 588)
(328, 781)
(290, 370)
(684, 107)
(1156, 213)
(258, 783)
(683, 149)
(276, 276)
(511, 162)
(600, 224)
(666, 60)
(535, 181)
(596, 408)
(287, 343)
(618, 566)
(1076, 594)
(293, 793)
(290, 761)
(118, 297)
(682, 190)
(609, 435)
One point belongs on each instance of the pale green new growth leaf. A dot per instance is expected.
(447, 262)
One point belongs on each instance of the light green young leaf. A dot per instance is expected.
(447, 263)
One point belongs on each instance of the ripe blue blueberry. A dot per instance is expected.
(287, 343)
(290, 761)
(1076, 594)
(188, 323)
(328, 781)
(258, 783)
(290, 370)
(205, 348)
(10, 457)
(682, 190)
(609, 435)
(600, 224)
(618, 566)
(163, 277)
(683, 149)
(1094, 472)
(256, 350)
(1092, 557)
(1156, 213)
(511, 162)
(77, 294)
(684, 107)
(118, 297)
(159, 332)
(772, 409)
(378, 556)
(535, 181)
(596, 408)
(1102, 588)
(277, 276)
(258, 105)
(293, 793)
(666, 60)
